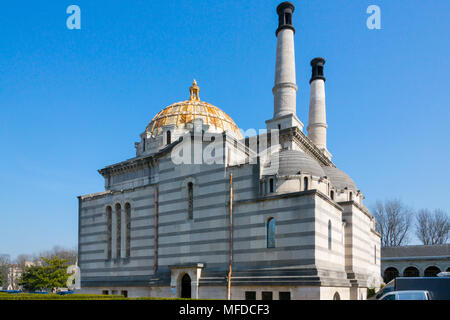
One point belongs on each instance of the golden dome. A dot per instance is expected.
(180, 113)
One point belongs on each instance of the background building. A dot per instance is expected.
(12, 277)
(414, 261)
(14, 274)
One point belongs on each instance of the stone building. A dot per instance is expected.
(14, 273)
(414, 261)
(13, 276)
(203, 212)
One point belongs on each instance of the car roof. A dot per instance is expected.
(403, 291)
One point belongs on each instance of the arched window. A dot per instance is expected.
(329, 235)
(143, 145)
(128, 230)
(168, 137)
(118, 229)
(271, 232)
(332, 195)
(270, 185)
(190, 200)
(305, 183)
(350, 196)
(411, 272)
(336, 296)
(431, 271)
(390, 274)
(108, 232)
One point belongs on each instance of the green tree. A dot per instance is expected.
(51, 275)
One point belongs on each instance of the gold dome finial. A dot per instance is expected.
(194, 90)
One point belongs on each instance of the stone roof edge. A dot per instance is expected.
(415, 258)
(310, 148)
(135, 162)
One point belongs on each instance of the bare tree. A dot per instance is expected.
(67, 254)
(5, 262)
(393, 222)
(432, 228)
(22, 259)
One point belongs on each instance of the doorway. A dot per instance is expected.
(186, 286)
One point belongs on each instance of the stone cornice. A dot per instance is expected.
(361, 208)
(376, 233)
(306, 144)
(277, 196)
(97, 195)
(137, 163)
(415, 258)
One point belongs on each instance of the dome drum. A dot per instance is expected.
(292, 163)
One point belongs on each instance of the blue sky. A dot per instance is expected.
(74, 101)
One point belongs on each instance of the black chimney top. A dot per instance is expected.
(285, 11)
(317, 69)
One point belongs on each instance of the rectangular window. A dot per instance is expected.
(125, 293)
(108, 232)
(375, 254)
(288, 18)
(118, 230)
(320, 69)
(250, 295)
(105, 292)
(190, 200)
(127, 230)
(267, 295)
(285, 296)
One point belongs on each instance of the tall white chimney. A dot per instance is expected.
(285, 88)
(317, 125)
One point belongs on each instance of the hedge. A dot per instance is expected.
(29, 296)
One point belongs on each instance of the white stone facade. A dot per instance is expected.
(299, 228)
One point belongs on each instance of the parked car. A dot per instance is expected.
(407, 295)
(13, 291)
(63, 293)
(443, 274)
(389, 287)
(437, 287)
